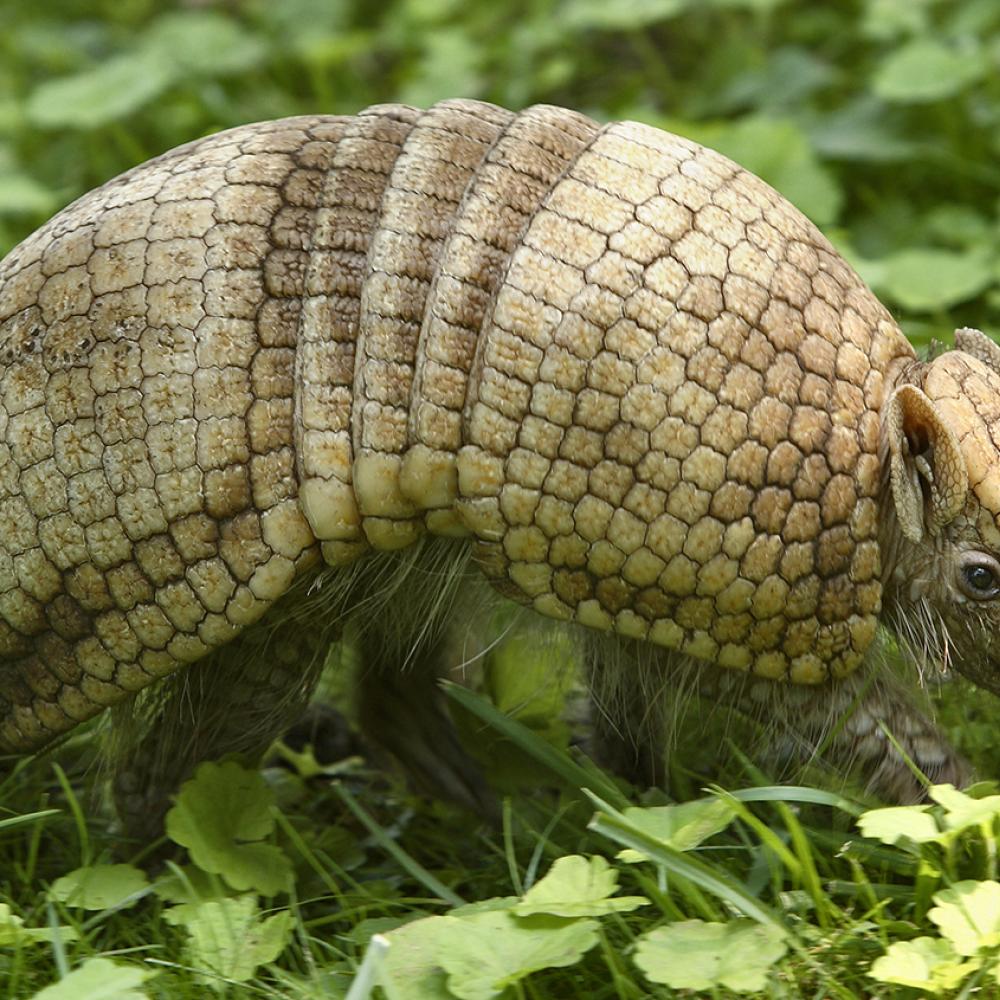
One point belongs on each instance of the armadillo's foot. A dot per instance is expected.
(327, 732)
(924, 757)
(641, 695)
(893, 780)
(234, 702)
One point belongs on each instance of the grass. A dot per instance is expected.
(335, 855)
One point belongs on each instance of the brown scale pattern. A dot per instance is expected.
(644, 383)
(149, 507)
(440, 157)
(672, 426)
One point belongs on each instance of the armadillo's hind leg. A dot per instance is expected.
(235, 701)
(404, 712)
(410, 608)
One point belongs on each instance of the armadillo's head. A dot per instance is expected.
(942, 436)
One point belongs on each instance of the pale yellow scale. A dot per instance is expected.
(347, 217)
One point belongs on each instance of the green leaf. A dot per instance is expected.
(617, 15)
(968, 914)
(221, 815)
(696, 955)
(963, 811)
(203, 42)
(99, 979)
(99, 887)
(925, 963)
(411, 970)
(23, 195)
(528, 680)
(577, 887)
(484, 953)
(926, 70)
(787, 78)
(11, 115)
(682, 827)
(106, 93)
(13, 933)
(900, 825)
(887, 19)
(926, 280)
(959, 226)
(227, 936)
(298, 19)
(861, 130)
(449, 66)
(187, 884)
(762, 6)
(178, 46)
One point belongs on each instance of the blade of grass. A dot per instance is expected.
(613, 825)
(811, 880)
(576, 775)
(15, 821)
(509, 853)
(798, 861)
(75, 808)
(410, 865)
(799, 793)
(371, 965)
(308, 855)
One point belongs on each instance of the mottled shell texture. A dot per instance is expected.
(642, 383)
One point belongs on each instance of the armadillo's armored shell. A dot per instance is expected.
(640, 379)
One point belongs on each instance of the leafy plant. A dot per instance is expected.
(99, 979)
(222, 818)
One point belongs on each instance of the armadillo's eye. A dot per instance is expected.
(979, 576)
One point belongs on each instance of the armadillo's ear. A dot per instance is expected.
(977, 344)
(927, 472)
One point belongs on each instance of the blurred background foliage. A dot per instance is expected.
(878, 118)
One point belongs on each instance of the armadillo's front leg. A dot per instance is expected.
(852, 722)
(849, 722)
(842, 724)
(236, 701)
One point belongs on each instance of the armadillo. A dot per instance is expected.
(331, 365)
